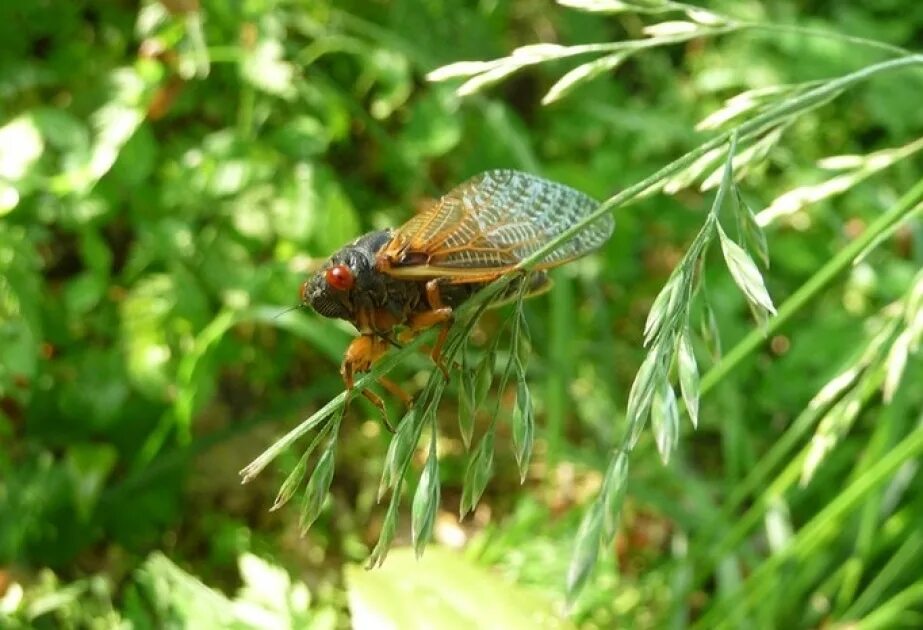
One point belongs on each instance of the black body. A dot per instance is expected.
(373, 290)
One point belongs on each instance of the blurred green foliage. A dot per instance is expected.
(170, 171)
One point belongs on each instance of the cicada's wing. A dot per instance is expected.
(491, 222)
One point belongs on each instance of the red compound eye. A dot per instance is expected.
(340, 277)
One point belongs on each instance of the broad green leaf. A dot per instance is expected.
(435, 127)
(445, 590)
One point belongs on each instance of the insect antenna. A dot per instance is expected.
(288, 310)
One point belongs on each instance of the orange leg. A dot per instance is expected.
(433, 296)
(396, 390)
(428, 319)
(360, 355)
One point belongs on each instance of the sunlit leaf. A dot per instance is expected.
(444, 589)
(486, 79)
(21, 145)
(265, 68)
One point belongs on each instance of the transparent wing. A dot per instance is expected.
(490, 223)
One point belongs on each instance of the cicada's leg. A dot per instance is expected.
(359, 357)
(438, 314)
(396, 390)
(427, 319)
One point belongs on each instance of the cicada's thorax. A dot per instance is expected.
(376, 302)
(399, 299)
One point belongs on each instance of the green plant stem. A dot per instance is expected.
(888, 615)
(825, 523)
(772, 28)
(901, 561)
(560, 352)
(810, 289)
(333, 406)
(744, 131)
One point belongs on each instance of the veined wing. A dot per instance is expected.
(490, 223)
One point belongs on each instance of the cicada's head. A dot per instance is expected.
(348, 281)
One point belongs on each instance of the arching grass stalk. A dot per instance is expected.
(884, 224)
(468, 315)
(774, 28)
(796, 106)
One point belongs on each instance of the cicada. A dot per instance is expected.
(392, 284)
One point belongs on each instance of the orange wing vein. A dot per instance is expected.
(491, 222)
